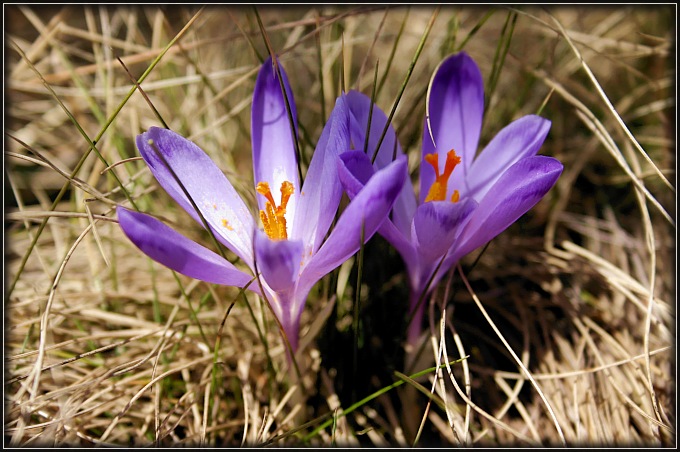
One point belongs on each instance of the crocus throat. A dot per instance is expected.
(273, 219)
(438, 188)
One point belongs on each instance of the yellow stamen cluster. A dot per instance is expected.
(273, 219)
(437, 191)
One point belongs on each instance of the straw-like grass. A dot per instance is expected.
(561, 332)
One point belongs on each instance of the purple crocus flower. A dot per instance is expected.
(291, 253)
(465, 199)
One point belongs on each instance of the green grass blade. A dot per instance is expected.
(393, 52)
(370, 110)
(499, 56)
(80, 163)
(476, 28)
(356, 313)
(376, 394)
(421, 45)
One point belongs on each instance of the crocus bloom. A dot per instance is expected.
(465, 199)
(291, 252)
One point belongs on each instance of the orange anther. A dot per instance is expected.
(455, 197)
(437, 190)
(273, 217)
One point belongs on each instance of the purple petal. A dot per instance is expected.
(519, 139)
(367, 211)
(322, 191)
(278, 261)
(359, 106)
(436, 225)
(355, 170)
(215, 197)
(515, 192)
(402, 243)
(456, 109)
(404, 207)
(274, 157)
(288, 308)
(170, 248)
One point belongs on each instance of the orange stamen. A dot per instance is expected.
(273, 217)
(437, 190)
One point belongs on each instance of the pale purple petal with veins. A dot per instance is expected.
(274, 155)
(519, 139)
(515, 192)
(278, 261)
(437, 224)
(215, 197)
(170, 248)
(322, 191)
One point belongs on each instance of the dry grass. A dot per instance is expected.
(567, 320)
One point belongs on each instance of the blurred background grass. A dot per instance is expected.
(103, 346)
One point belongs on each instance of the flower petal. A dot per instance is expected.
(354, 172)
(170, 248)
(519, 139)
(288, 308)
(367, 211)
(515, 192)
(456, 109)
(274, 157)
(211, 191)
(322, 191)
(278, 261)
(436, 226)
(359, 107)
